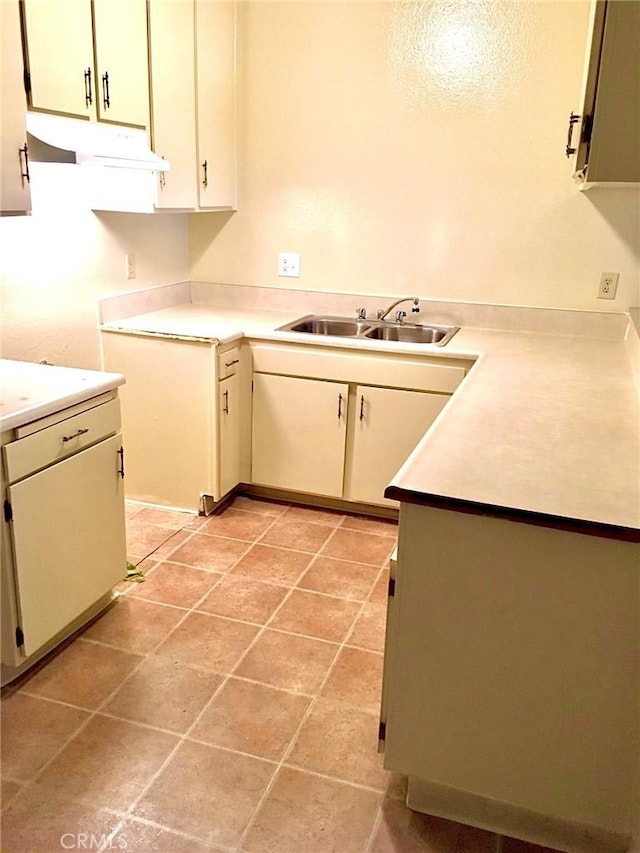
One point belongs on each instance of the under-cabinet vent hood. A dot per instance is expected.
(118, 166)
(55, 138)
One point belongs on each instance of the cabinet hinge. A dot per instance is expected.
(382, 731)
(26, 77)
(587, 127)
(392, 588)
(19, 636)
(8, 512)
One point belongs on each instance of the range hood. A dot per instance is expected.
(119, 169)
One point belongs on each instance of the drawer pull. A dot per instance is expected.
(75, 435)
(231, 363)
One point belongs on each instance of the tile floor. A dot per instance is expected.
(228, 702)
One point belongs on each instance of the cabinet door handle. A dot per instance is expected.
(106, 100)
(75, 435)
(362, 407)
(205, 179)
(121, 463)
(24, 169)
(573, 119)
(162, 180)
(88, 95)
(231, 363)
(225, 407)
(339, 406)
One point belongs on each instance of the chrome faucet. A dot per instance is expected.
(400, 315)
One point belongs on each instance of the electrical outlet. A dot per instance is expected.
(289, 264)
(130, 265)
(608, 285)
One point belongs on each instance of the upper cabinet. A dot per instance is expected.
(606, 131)
(193, 121)
(88, 60)
(173, 101)
(216, 103)
(15, 195)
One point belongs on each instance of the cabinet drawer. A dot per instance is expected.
(50, 445)
(228, 362)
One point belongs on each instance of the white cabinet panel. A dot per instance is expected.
(167, 417)
(68, 537)
(299, 434)
(229, 426)
(173, 98)
(59, 38)
(15, 195)
(216, 103)
(387, 424)
(68, 76)
(122, 61)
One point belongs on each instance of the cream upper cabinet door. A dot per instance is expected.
(229, 415)
(59, 50)
(15, 195)
(122, 61)
(299, 434)
(386, 425)
(216, 102)
(173, 100)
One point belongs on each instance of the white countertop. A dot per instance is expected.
(29, 391)
(544, 423)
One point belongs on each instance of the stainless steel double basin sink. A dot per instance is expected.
(373, 330)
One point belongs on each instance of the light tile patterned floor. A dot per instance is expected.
(228, 702)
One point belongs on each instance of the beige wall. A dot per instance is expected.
(58, 262)
(417, 148)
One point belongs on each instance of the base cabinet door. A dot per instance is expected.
(68, 539)
(299, 434)
(229, 430)
(387, 424)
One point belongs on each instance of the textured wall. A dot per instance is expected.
(58, 262)
(417, 147)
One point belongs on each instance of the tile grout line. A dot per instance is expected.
(184, 735)
(305, 717)
(99, 710)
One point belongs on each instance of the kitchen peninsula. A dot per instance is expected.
(512, 659)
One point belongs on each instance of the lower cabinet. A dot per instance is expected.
(230, 430)
(183, 448)
(299, 434)
(335, 439)
(387, 424)
(501, 702)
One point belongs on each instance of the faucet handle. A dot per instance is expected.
(361, 313)
(400, 315)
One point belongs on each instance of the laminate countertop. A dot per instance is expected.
(29, 391)
(544, 428)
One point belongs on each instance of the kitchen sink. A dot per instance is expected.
(412, 334)
(341, 326)
(373, 330)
